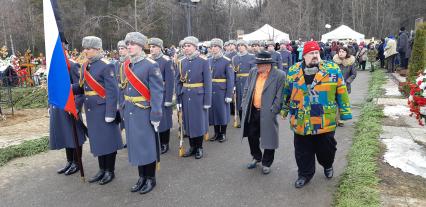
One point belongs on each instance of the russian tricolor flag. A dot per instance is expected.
(58, 80)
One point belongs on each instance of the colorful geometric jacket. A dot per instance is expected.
(313, 111)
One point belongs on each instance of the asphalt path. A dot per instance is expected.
(219, 179)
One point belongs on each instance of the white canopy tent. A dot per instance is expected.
(267, 32)
(342, 32)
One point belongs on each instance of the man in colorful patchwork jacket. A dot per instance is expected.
(313, 93)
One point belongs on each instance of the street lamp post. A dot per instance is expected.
(188, 4)
(327, 27)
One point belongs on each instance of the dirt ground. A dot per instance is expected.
(24, 125)
(399, 188)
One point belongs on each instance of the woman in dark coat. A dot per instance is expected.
(346, 64)
(381, 55)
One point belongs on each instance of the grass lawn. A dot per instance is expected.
(359, 183)
(27, 148)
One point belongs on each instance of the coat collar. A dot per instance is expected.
(300, 79)
(271, 78)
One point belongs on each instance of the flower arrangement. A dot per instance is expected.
(417, 98)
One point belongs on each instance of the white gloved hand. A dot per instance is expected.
(235, 88)
(206, 106)
(178, 107)
(156, 124)
(109, 119)
(168, 104)
(228, 100)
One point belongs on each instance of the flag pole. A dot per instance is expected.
(78, 148)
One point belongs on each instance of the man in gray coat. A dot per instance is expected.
(403, 47)
(99, 85)
(194, 95)
(142, 111)
(261, 105)
(232, 49)
(167, 71)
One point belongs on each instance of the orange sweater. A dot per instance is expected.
(260, 82)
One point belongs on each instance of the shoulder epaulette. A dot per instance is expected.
(226, 58)
(166, 57)
(106, 61)
(150, 60)
(203, 57)
(71, 60)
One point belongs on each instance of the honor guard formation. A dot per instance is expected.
(250, 84)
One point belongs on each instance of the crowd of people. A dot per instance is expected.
(21, 70)
(256, 82)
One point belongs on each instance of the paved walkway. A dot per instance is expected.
(403, 170)
(219, 179)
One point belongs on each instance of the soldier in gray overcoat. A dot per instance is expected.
(261, 104)
(167, 71)
(255, 47)
(143, 112)
(285, 56)
(232, 44)
(119, 74)
(100, 105)
(226, 48)
(276, 56)
(222, 88)
(194, 92)
(242, 63)
(61, 132)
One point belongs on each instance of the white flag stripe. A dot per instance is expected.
(51, 32)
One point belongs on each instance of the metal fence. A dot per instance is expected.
(10, 79)
(13, 78)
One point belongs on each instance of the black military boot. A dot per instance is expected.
(164, 148)
(164, 140)
(64, 169)
(199, 153)
(70, 157)
(108, 177)
(73, 169)
(240, 113)
(110, 167)
(190, 152)
(149, 185)
(97, 177)
(138, 185)
(216, 133)
(222, 136)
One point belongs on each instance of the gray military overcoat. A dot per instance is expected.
(271, 106)
(142, 144)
